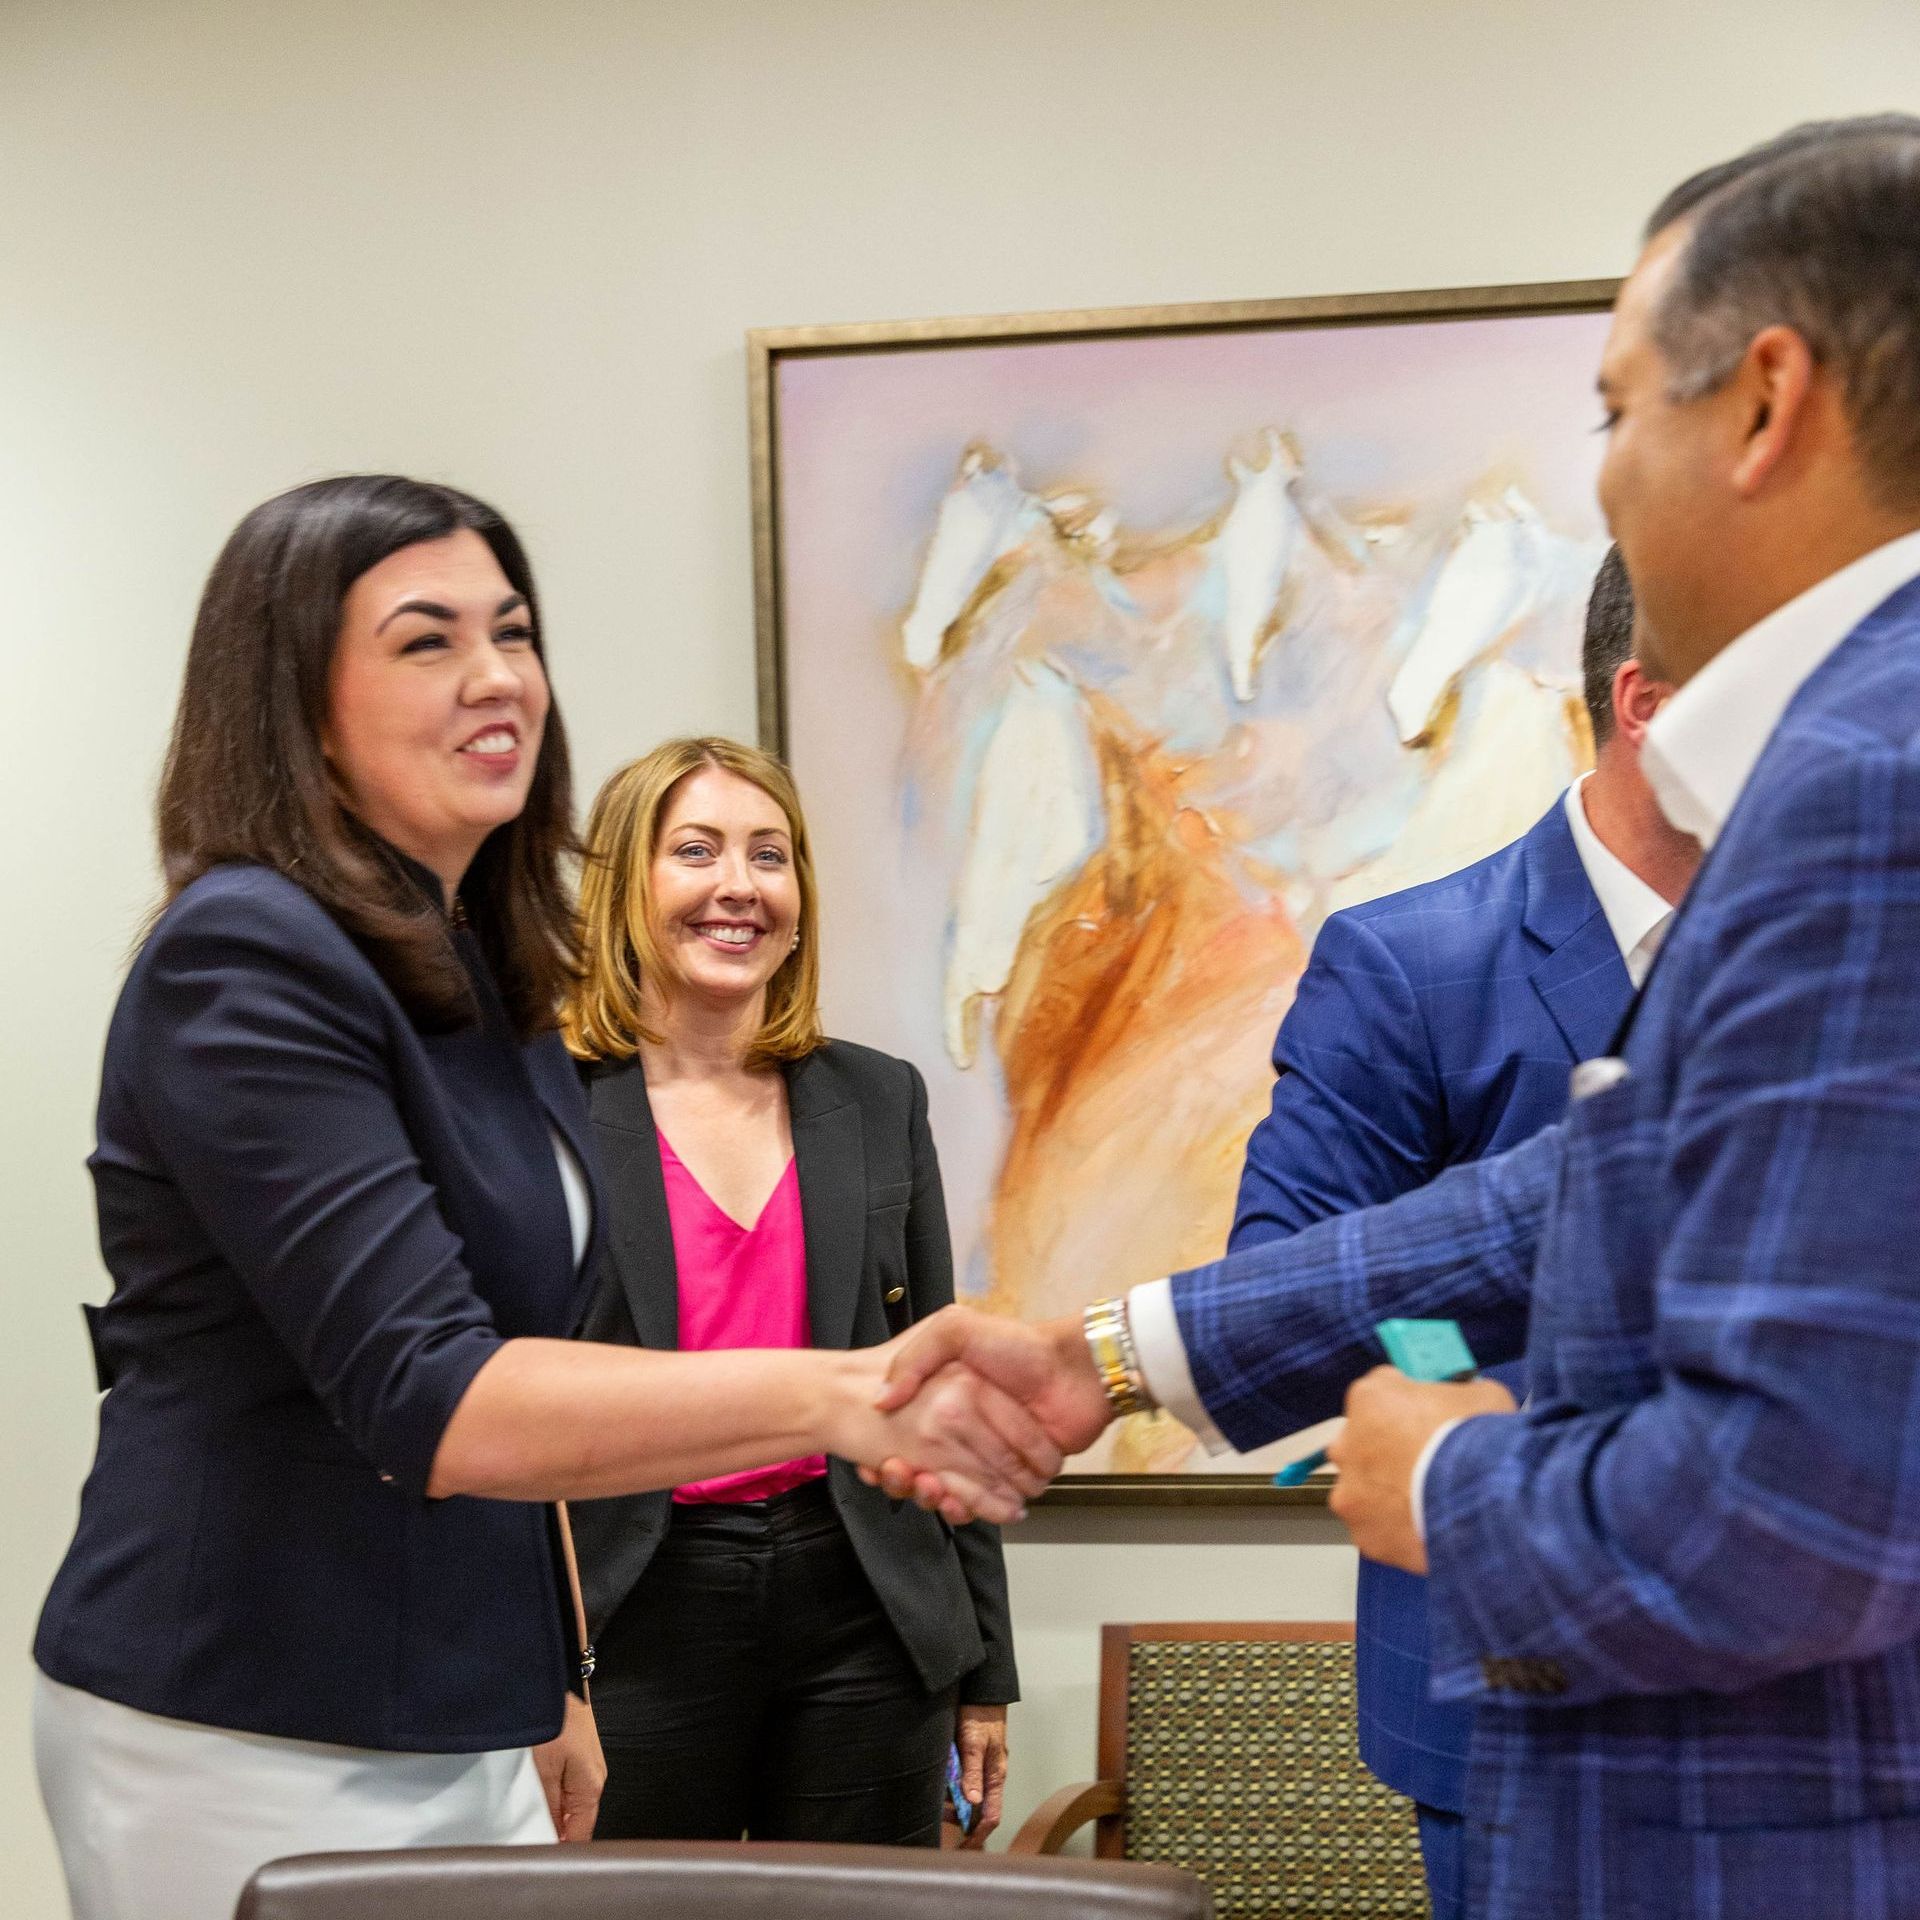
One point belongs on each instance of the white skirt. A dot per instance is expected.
(165, 1820)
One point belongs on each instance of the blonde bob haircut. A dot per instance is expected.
(601, 1018)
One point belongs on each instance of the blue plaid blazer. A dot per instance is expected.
(1431, 1027)
(1685, 1584)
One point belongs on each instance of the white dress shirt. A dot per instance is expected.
(1636, 916)
(573, 1183)
(1703, 743)
(1699, 751)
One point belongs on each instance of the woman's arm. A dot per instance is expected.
(566, 1420)
(257, 1035)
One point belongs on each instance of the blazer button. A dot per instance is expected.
(895, 1295)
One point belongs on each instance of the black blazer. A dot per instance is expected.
(321, 1222)
(878, 1257)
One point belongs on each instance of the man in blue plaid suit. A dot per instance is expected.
(1435, 1026)
(1683, 1584)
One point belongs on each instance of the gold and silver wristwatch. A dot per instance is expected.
(1110, 1340)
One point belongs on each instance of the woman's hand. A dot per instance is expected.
(572, 1771)
(1046, 1367)
(981, 1735)
(978, 1453)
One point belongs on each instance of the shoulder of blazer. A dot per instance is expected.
(1457, 924)
(617, 1094)
(836, 1074)
(241, 919)
(840, 1073)
(1494, 879)
(244, 893)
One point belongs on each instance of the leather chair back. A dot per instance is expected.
(656, 1880)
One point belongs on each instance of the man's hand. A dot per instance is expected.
(1045, 1366)
(976, 1451)
(1390, 1419)
(572, 1772)
(980, 1734)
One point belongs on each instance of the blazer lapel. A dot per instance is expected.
(830, 1157)
(1581, 979)
(640, 1232)
(1584, 985)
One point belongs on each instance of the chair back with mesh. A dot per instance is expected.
(1237, 1753)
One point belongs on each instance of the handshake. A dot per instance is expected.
(970, 1415)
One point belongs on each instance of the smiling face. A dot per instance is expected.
(725, 895)
(437, 701)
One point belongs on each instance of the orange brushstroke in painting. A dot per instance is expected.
(1150, 955)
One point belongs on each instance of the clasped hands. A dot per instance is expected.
(971, 1415)
(975, 1413)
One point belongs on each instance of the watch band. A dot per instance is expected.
(1110, 1340)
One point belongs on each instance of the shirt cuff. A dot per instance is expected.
(1417, 1489)
(1163, 1361)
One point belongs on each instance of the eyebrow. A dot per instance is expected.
(700, 826)
(435, 611)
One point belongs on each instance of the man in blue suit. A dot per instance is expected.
(1440, 1024)
(1683, 1583)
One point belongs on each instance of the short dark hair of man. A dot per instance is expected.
(1608, 644)
(1818, 230)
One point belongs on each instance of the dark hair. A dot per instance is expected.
(1608, 642)
(245, 777)
(1819, 230)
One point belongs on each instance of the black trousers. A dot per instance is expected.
(751, 1684)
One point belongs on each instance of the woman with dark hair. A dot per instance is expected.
(316, 1595)
(785, 1652)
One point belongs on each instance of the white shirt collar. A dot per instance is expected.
(1703, 743)
(1636, 915)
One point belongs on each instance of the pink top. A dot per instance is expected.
(740, 1287)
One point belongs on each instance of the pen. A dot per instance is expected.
(1295, 1471)
(1422, 1350)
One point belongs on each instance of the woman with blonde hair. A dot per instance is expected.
(784, 1652)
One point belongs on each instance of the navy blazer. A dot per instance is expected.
(1683, 1581)
(320, 1222)
(1431, 1027)
(878, 1258)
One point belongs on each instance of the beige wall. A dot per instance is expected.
(516, 245)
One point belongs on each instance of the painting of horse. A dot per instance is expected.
(1110, 665)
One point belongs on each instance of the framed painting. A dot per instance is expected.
(1113, 651)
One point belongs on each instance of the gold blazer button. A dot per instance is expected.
(895, 1294)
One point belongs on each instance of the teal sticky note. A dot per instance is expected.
(1426, 1349)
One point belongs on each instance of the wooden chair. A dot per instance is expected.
(1230, 1750)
